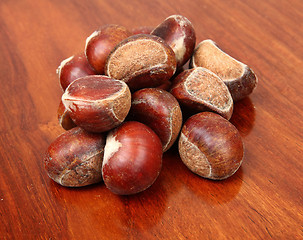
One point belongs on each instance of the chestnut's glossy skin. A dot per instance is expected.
(72, 68)
(198, 89)
(160, 111)
(238, 77)
(211, 146)
(165, 86)
(141, 61)
(142, 30)
(101, 42)
(64, 118)
(74, 159)
(97, 103)
(178, 32)
(132, 158)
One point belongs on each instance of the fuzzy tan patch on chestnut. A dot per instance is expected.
(201, 90)
(141, 61)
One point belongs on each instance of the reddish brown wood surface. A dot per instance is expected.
(263, 200)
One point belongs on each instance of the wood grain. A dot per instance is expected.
(263, 200)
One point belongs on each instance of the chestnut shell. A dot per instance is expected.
(97, 103)
(141, 61)
(159, 110)
(74, 159)
(132, 158)
(211, 146)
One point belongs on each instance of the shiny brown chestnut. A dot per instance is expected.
(101, 42)
(178, 32)
(238, 77)
(72, 68)
(141, 61)
(199, 89)
(97, 103)
(211, 146)
(165, 86)
(132, 158)
(74, 159)
(159, 110)
(142, 30)
(64, 118)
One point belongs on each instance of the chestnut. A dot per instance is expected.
(74, 159)
(101, 42)
(97, 103)
(199, 89)
(132, 158)
(238, 77)
(165, 86)
(64, 118)
(210, 146)
(159, 110)
(141, 61)
(72, 68)
(178, 32)
(142, 30)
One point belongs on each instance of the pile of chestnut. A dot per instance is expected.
(125, 100)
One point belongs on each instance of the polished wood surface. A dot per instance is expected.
(263, 200)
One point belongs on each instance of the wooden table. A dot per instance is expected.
(263, 200)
